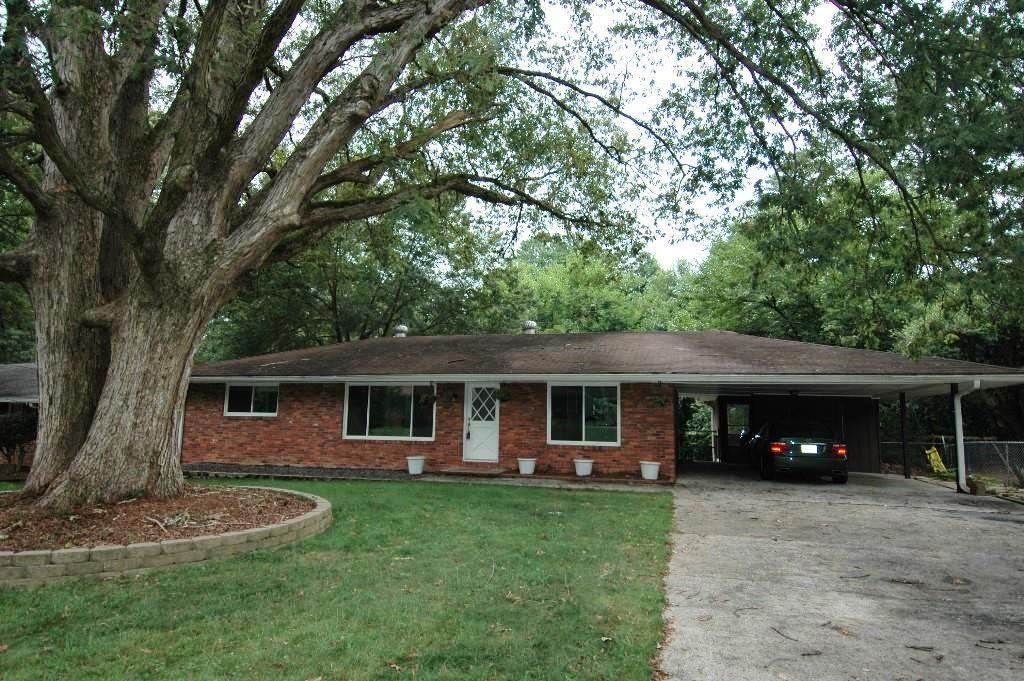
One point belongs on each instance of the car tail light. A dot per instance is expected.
(779, 448)
(839, 450)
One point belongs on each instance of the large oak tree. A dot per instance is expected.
(169, 147)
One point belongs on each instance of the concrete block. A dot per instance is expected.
(144, 549)
(208, 542)
(226, 550)
(177, 545)
(89, 568)
(64, 556)
(237, 537)
(271, 542)
(108, 552)
(278, 529)
(118, 565)
(158, 561)
(259, 534)
(46, 571)
(28, 558)
(5, 558)
(11, 573)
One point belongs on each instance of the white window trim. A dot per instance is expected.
(250, 413)
(388, 438)
(584, 385)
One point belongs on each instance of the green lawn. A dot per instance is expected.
(413, 580)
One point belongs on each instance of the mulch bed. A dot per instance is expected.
(309, 472)
(201, 510)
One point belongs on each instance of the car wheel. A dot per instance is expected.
(840, 479)
(767, 472)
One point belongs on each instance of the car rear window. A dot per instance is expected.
(802, 429)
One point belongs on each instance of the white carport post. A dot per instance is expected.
(958, 428)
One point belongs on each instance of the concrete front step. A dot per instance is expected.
(482, 470)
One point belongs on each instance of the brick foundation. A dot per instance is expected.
(307, 432)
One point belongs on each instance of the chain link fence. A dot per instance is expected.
(999, 460)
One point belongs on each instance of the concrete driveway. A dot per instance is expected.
(882, 578)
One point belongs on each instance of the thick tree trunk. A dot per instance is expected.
(132, 447)
(71, 358)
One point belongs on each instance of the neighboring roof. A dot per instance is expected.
(701, 353)
(19, 383)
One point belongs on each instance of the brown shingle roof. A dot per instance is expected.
(702, 352)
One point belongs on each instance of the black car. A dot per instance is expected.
(797, 447)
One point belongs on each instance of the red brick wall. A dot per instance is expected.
(307, 432)
(647, 432)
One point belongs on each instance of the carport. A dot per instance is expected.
(846, 402)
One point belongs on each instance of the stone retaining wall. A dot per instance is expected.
(23, 568)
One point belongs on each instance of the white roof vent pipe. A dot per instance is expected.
(529, 327)
(401, 331)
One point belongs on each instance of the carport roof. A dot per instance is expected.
(715, 362)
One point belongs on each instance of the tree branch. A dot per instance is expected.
(561, 104)
(332, 213)
(44, 127)
(281, 206)
(516, 197)
(139, 32)
(357, 171)
(25, 184)
(519, 74)
(336, 212)
(260, 58)
(317, 59)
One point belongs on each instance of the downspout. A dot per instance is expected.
(958, 425)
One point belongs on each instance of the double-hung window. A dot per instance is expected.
(389, 412)
(583, 414)
(250, 400)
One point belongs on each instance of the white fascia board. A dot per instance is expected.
(889, 381)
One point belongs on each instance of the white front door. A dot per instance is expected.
(480, 439)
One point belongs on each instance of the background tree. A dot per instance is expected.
(425, 266)
(582, 287)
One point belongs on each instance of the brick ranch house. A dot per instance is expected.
(481, 402)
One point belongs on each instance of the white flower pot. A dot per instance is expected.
(527, 466)
(584, 467)
(649, 470)
(415, 464)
